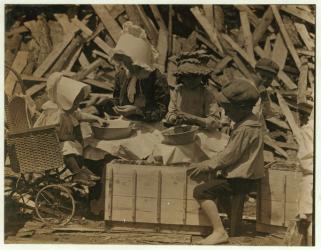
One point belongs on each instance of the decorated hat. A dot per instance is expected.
(267, 65)
(63, 90)
(133, 48)
(238, 91)
(192, 63)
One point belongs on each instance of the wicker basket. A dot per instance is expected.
(35, 150)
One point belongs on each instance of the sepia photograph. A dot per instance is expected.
(159, 124)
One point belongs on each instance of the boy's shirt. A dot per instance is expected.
(243, 155)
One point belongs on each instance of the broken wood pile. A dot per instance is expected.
(78, 40)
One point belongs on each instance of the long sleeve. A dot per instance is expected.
(172, 107)
(211, 110)
(156, 109)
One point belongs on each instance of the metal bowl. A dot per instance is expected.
(114, 130)
(179, 135)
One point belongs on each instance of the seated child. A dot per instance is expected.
(61, 110)
(192, 101)
(240, 164)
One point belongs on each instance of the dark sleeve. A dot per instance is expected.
(117, 87)
(157, 109)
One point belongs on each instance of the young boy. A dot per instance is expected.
(241, 162)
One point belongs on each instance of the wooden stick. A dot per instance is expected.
(170, 29)
(133, 14)
(286, 36)
(210, 30)
(74, 58)
(148, 25)
(209, 13)
(109, 22)
(286, 80)
(272, 143)
(162, 47)
(87, 70)
(36, 88)
(247, 34)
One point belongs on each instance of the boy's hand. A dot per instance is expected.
(198, 168)
(127, 110)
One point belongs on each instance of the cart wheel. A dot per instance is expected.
(55, 205)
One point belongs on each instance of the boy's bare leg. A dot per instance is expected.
(219, 234)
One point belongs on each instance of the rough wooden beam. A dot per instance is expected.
(109, 22)
(286, 80)
(149, 26)
(304, 15)
(272, 143)
(32, 78)
(302, 83)
(170, 29)
(158, 17)
(74, 58)
(218, 18)
(304, 34)
(65, 23)
(115, 10)
(289, 117)
(247, 35)
(262, 26)
(286, 36)
(237, 48)
(36, 88)
(280, 52)
(209, 13)
(209, 29)
(100, 84)
(88, 69)
(19, 63)
(54, 54)
(278, 122)
(104, 46)
(222, 64)
(162, 47)
(260, 52)
(267, 47)
(133, 14)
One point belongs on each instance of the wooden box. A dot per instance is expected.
(147, 197)
(277, 202)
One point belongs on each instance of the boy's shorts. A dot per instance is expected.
(216, 188)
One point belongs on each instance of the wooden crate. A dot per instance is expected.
(277, 202)
(152, 198)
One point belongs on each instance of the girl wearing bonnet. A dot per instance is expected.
(141, 91)
(65, 95)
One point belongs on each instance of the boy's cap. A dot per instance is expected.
(267, 65)
(238, 91)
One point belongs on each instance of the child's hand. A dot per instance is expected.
(102, 122)
(127, 110)
(198, 168)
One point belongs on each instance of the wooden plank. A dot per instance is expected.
(268, 156)
(36, 88)
(302, 83)
(305, 52)
(170, 29)
(286, 80)
(260, 52)
(286, 145)
(289, 117)
(67, 26)
(115, 10)
(218, 18)
(304, 15)
(304, 34)
(267, 47)
(209, 29)
(159, 19)
(209, 13)
(109, 22)
(262, 25)
(162, 47)
(32, 78)
(149, 26)
(19, 63)
(242, 67)
(54, 54)
(74, 58)
(222, 64)
(237, 48)
(133, 14)
(278, 122)
(100, 84)
(88, 69)
(271, 143)
(104, 46)
(63, 59)
(207, 43)
(286, 36)
(83, 60)
(280, 52)
(247, 34)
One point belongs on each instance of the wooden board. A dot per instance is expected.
(304, 34)
(103, 45)
(247, 35)
(286, 36)
(286, 80)
(54, 54)
(262, 26)
(209, 29)
(302, 84)
(109, 22)
(19, 63)
(36, 88)
(149, 26)
(304, 15)
(237, 48)
(162, 47)
(280, 52)
(67, 26)
(158, 17)
(271, 143)
(209, 13)
(289, 117)
(133, 14)
(278, 122)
